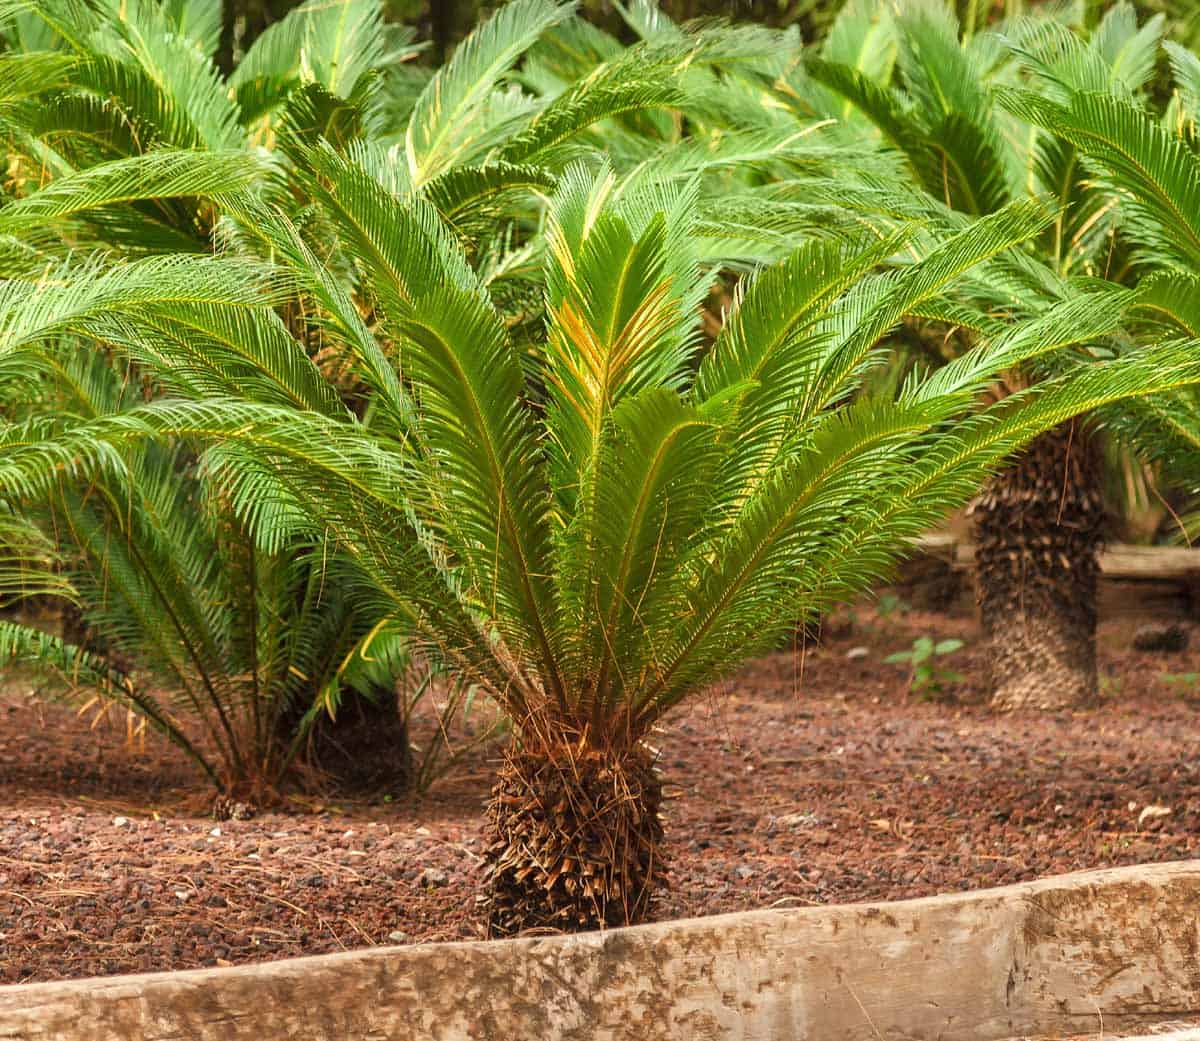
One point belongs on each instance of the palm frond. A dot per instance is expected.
(442, 126)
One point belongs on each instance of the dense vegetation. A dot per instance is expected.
(578, 368)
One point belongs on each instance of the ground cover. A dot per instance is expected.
(813, 778)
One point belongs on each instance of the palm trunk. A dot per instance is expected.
(366, 748)
(577, 839)
(1038, 531)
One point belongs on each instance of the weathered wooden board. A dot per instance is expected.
(1141, 580)
(1049, 956)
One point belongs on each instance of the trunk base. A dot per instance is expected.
(1038, 530)
(1036, 664)
(578, 841)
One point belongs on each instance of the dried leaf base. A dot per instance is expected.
(578, 840)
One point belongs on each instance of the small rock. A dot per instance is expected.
(1159, 637)
(744, 872)
(216, 830)
(855, 653)
(183, 894)
(431, 877)
(1151, 813)
(120, 822)
(792, 820)
(398, 937)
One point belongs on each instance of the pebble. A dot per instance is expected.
(431, 877)
(397, 936)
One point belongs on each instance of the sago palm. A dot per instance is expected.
(1039, 525)
(595, 533)
(232, 650)
(1149, 171)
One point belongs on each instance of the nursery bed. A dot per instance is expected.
(809, 779)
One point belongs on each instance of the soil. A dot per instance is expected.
(812, 777)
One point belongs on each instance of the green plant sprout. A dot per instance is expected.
(927, 678)
(890, 604)
(1186, 682)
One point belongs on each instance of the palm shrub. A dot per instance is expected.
(231, 649)
(1148, 171)
(593, 533)
(1039, 525)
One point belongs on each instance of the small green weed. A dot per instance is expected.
(1186, 683)
(889, 604)
(927, 676)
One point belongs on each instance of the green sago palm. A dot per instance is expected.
(594, 532)
(1039, 525)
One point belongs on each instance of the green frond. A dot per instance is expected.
(640, 78)
(620, 561)
(70, 296)
(29, 74)
(862, 37)
(1159, 174)
(622, 289)
(400, 245)
(28, 562)
(472, 193)
(328, 42)
(443, 124)
(1084, 318)
(772, 344)
(492, 499)
(1171, 299)
(198, 20)
(207, 349)
(1130, 52)
(160, 174)
(887, 302)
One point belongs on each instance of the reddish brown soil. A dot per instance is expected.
(806, 780)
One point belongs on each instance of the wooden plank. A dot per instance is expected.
(1047, 957)
(1118, 561)
(1134, 580)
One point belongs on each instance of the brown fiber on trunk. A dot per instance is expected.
(1038, 531)
(577, 839)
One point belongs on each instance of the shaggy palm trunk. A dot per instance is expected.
(1038, 530)
(367, 747)
(577, 839)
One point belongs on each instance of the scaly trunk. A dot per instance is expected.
(577, 839)
(367, 747)
(1038, 531)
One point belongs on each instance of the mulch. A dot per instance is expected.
(812, 777)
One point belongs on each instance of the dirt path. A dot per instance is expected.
(806, 780)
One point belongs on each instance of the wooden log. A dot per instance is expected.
(1048, 956)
